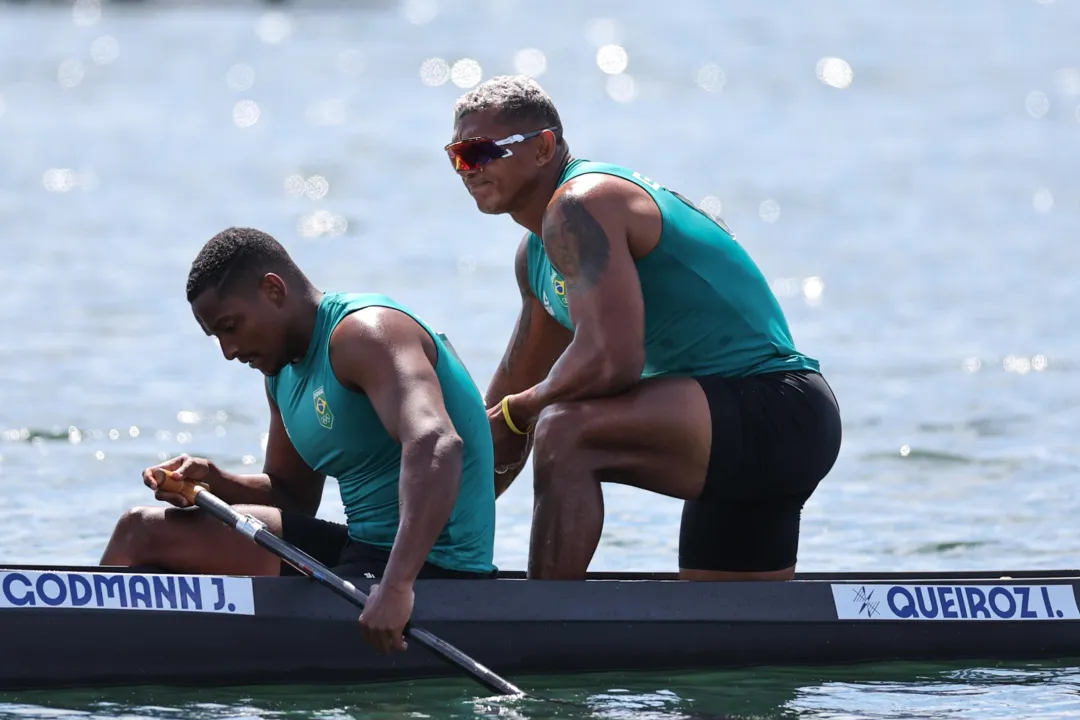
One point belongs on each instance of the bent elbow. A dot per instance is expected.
(442, 448)
(450, 448)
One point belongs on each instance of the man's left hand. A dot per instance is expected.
(384, 618)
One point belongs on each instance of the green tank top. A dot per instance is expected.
(708, 309)
(337, 432)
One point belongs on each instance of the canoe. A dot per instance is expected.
(78, 626)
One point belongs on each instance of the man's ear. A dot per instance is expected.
(546, 148)
(274, 287)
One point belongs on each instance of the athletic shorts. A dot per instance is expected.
(329, 543)
(774, 437)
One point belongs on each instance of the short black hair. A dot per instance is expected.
(234, 255)
(518, 99)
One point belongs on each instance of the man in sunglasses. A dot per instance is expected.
(360, 389)
(649, 351)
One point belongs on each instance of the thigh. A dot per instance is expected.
(655, 436)
(774, 438)
(192, 541)
(740, 537)
(361, 560)
(321, 539)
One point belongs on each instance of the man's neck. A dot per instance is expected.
(307, 312)
(531, 217)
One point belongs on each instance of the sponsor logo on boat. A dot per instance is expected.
(954, 602)
(126, 591)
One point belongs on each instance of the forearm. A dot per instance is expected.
(586, 370)
(504, 383)
(254, 489)
(535, 345)
(430, 479)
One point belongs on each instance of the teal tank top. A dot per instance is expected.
(708, 308)
(337, 432)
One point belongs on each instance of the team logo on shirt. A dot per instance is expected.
(322, 409)
(559, 286)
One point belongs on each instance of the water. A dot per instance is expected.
(899, 690)
(916, 225)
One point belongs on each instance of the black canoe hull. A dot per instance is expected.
(299, 632)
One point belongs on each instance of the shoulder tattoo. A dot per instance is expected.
(576, 243)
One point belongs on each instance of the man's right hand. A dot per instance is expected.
(183, 467)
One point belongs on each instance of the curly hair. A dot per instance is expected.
(235, 255)
(517, 98)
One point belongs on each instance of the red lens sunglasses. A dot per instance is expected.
(473, 153)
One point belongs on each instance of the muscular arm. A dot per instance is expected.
(286, 482)
(585, 237)
(536, 343)
(389, 357)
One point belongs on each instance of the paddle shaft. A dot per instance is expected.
(255, 530)
(199, 494)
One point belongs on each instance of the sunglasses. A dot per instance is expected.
(473, 153)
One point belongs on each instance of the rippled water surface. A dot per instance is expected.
(905, 174)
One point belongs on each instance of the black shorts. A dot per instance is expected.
(329, 543)
(774, 437)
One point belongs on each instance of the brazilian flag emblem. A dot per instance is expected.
(559, 285)
(322, 409)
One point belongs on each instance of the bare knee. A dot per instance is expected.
(559, 438)
(560, 423)
(134, 533)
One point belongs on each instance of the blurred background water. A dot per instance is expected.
(904, 174)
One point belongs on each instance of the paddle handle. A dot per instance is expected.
(168, 482)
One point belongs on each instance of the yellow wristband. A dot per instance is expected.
(509, 420)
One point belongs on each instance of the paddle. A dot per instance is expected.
(309, 566)
(199, 495)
